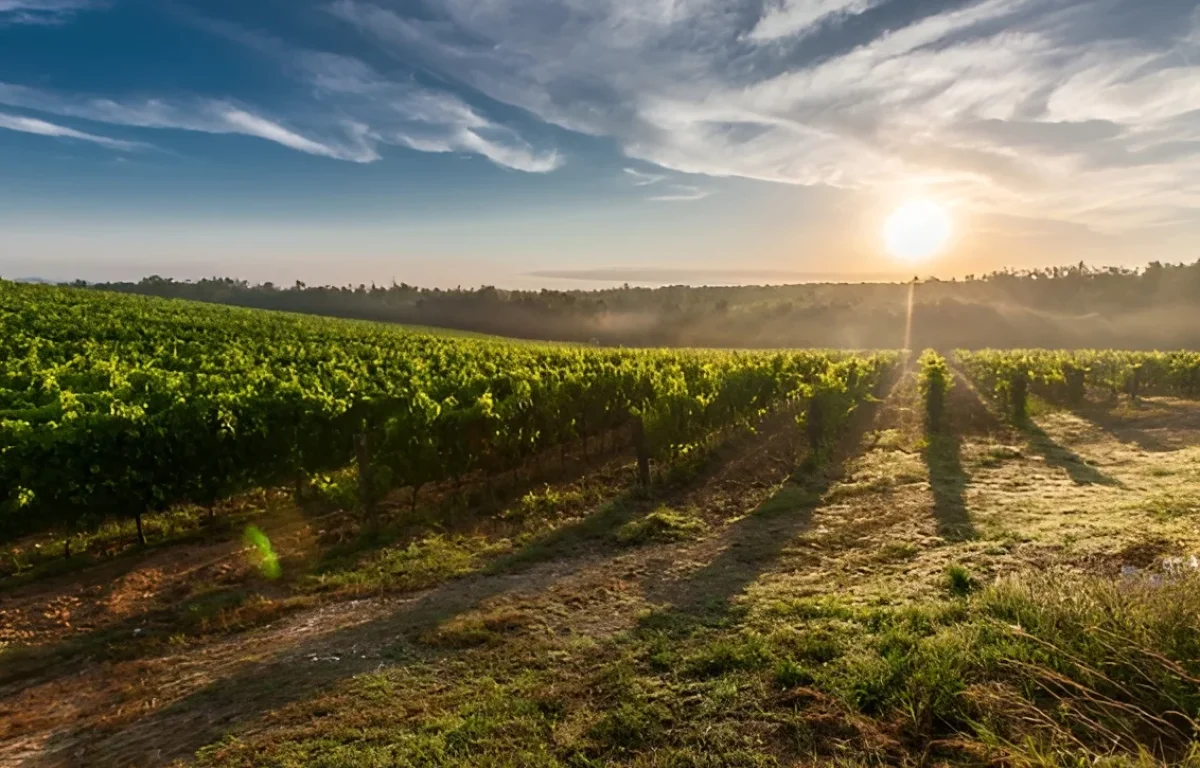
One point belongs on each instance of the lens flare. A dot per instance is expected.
(912, 290)
(267, 560)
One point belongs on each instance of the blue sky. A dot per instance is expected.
(530, 142)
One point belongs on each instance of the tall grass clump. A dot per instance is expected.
(1087, 669)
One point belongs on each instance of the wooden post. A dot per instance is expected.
(298, 488)
(643, 452)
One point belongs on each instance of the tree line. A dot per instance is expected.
(1073, 306)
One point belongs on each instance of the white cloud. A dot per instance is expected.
(43, 11)
(388, 110)
(981, 102)
(253, 125)
(217, 117)
(508, 154)
(43, 128)
(357, 110)
(681, 193)
(420, 118)
(643, 179)
(800, 17)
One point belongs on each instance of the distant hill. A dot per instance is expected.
(1061, 307)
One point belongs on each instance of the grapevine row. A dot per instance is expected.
(1070, 376)
(116, 405)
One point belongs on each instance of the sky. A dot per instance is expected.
(576, 143)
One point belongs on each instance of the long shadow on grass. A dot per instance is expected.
(756, 541)
(949, 483)
(1155, 425)
(595, 531)
(971, 415)
(966, 414)
(1061, 457)
(317, 660)
(144, 634)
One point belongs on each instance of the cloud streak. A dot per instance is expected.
(206, 116)
(43, 12)
(43, 128)
(405, 114)
(794, 18)
(681, 193)
(356, 110)
(643, 179)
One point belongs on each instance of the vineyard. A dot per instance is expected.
(412, 549)
(1069, 378)
(113, 405)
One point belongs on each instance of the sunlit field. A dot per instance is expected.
(600, 384)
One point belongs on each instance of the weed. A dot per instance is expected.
(632, 724)
(791, 674)
(478, 629)
(543, 503)
(959, 581)
(663, 524)
(422, 563)
(746, 651)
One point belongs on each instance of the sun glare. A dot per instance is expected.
(916, 231)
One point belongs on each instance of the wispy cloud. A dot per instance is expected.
(43, 128)
(681, 193)
(1078, 110)
(794, 18)
(219, 117)
(356, 110)
(403, 113)
(43, 11)
(253, 125)
(390, 110)
(643, 179)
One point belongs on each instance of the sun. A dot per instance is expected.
(916, 231)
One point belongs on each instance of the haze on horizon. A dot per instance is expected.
(573, 143)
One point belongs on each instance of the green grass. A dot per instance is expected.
(663, 524)
(1169, 505)
(422, 563)
(959, 581)
(1025, 671)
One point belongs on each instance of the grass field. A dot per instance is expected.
(990, 595)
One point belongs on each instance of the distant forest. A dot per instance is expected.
(1068, 307)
